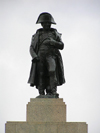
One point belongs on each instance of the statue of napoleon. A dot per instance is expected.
(47, 70)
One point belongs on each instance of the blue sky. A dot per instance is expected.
(79, 23)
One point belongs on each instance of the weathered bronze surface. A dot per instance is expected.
(47, 67)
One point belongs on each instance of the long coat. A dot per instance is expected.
(34, 48)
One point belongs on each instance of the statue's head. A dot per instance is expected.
(45, 17)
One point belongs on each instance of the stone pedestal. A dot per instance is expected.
(46, 115)
(46, 110)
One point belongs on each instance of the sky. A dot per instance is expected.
(79, 23)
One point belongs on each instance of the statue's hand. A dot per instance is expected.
(36, 59)
(47, 41)
(52, 42)
(56, 44)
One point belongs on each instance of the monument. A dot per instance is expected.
(47, 112)
(47, 66)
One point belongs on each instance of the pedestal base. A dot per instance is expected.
(46, 115)
(46, 127)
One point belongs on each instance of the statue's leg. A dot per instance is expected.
(41, 82)
(51, 66)
(48, 90)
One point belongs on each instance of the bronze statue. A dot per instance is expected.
(47, 67)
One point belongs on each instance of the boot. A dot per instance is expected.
(41, 92)
(48, 91)
(54, 92)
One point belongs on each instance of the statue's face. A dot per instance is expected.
(46, 25)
